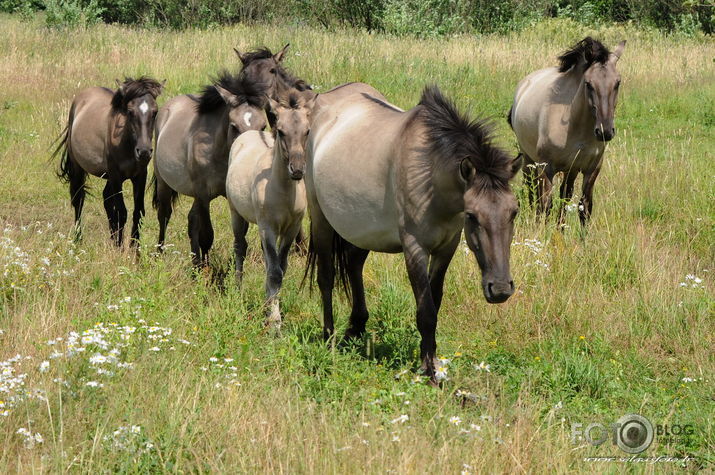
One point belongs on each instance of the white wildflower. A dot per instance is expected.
(401, 419)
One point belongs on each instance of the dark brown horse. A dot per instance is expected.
(109, 134)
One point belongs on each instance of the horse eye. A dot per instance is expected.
(307, 132)
(272, 71)
(280, 133)
(589, 86)
(514, 214)
(472, 219)
(618, 84)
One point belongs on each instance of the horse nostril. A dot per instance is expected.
(489, 289)
(511, 284)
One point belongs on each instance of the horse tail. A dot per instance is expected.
(339, 264)
(508, 117)
(65, 171)
(155, 201)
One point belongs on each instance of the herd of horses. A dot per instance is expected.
(373, 177)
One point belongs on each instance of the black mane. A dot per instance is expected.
(453, 137)
(592, 51)
(247, 92)
(133, 88)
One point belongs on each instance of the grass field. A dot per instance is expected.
(109, 363)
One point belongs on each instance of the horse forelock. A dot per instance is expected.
(452, 137)
(133, 88)
(260, 53)
(590, 50)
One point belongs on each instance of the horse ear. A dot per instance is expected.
(120, 85)
(274, 104)
(240, 55)
(281, 54)
(466, 169)
(228, 98)
(516, 164)
(619, 50)
(310, 102)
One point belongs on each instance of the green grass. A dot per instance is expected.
(599, 326)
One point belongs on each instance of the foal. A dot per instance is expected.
(264, 186)
(109, 134)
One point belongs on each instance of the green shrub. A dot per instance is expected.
(72, 13)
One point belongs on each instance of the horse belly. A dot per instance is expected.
(170, 159)
(88, 142)
(360, 206)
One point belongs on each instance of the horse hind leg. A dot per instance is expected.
(163, 201)
(359, 315)
(116, 211)
(200, 233)
(78, 191)
(321, 255)
(565, 194)
(529, 173)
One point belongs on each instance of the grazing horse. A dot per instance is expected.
(193, 139)
(382, 179)
(265, 186)
(563, 117)
(109, 134)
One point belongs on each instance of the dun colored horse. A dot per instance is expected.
(563, 117)
(265, 186)
(193, 139)
(109, 134)
(381, 179)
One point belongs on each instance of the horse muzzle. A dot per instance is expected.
(498, 292)
(604, 135)
(142, 154)
(295, 173)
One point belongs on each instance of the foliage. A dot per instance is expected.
(423, 18)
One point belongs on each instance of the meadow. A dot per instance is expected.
(109, 362)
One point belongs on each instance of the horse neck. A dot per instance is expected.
(580, 114)
(279, 169)
(120, 137)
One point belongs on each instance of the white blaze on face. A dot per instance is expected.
(144, 107)
(247, 118)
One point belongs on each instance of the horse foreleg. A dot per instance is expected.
(274, 275)
(240, 245)
(439, 262)
(416, 259)
(138, 184)
(585, 206)
(358, 316)
(566, 193)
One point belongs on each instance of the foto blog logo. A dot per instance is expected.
(632, 433)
